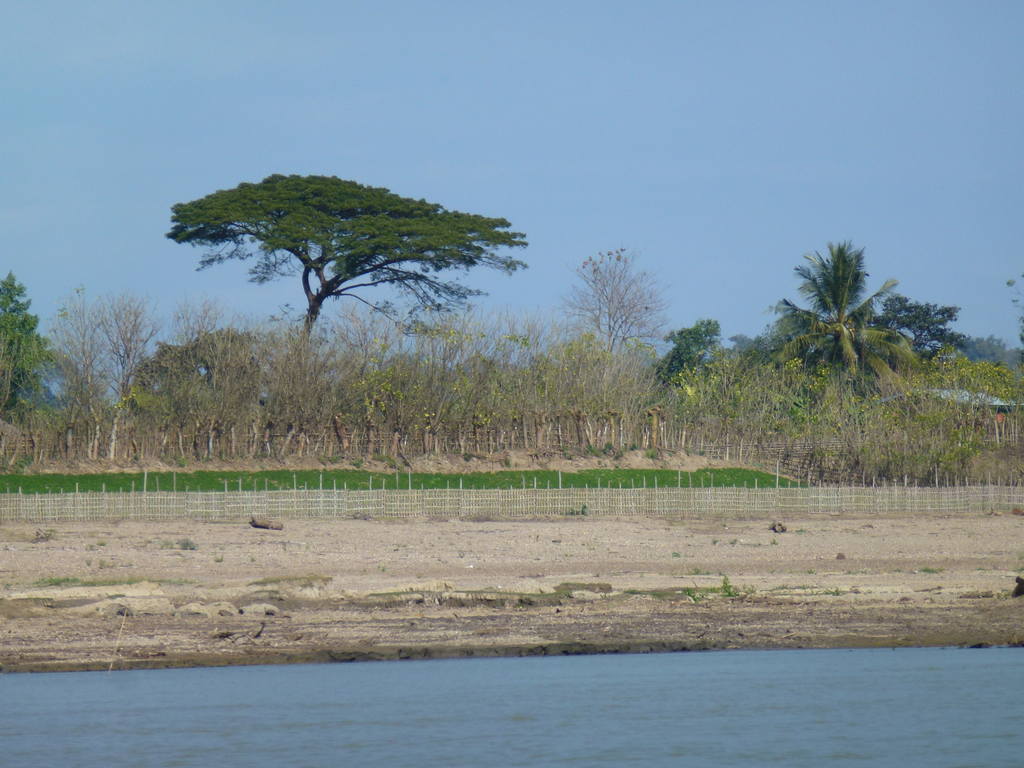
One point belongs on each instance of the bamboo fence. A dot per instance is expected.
(514, 504)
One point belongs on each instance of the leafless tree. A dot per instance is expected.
(616, 301)
(81, 364)
(128, 327)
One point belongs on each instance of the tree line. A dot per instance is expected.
(847, 383)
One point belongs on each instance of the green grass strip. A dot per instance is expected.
(278, 480)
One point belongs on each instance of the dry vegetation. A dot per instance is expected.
(364, 389)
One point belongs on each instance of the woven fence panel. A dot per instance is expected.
(512, 503)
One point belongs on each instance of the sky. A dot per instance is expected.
(718, 142)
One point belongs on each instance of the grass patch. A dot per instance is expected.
(74, 581)
(696, 594)
(930, 570)
(57, 581)
(361, 480)
(581, 586)
(312, 580)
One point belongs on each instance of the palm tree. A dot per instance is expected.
(838, 327)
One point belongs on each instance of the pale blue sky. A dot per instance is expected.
(718, 140)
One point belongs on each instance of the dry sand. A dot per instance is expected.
(191, 593)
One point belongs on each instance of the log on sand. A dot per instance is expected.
(270, 525)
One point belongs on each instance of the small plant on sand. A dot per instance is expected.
(186, 544)
(728, 590)
(930, 570)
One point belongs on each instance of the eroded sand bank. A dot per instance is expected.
(131, 595)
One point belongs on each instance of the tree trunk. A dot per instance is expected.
(112, 447)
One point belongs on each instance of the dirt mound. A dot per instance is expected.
(441, 463)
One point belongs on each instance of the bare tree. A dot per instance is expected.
(81, 364)
(128, 327)
(615, 300)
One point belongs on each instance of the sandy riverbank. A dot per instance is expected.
(131, 595)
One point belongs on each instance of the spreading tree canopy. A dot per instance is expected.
(341, 238)
(925, 325)
(691, 348)
(839, 327)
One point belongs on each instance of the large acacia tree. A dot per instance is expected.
(341, 238)
(840, 326)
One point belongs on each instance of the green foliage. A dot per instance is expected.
(839, 327)
(23, 352)
(925, 325)
(342, 237)
(990, 349)
(933, 422)
(57, 581)
(213, 373)
(361, 480)
(727, 589)
(691, 348)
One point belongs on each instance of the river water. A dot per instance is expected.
(940, 708)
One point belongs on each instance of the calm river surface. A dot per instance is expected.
(909, 707)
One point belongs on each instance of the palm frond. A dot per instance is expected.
(837, 326)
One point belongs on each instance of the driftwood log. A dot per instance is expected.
(270, 525)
